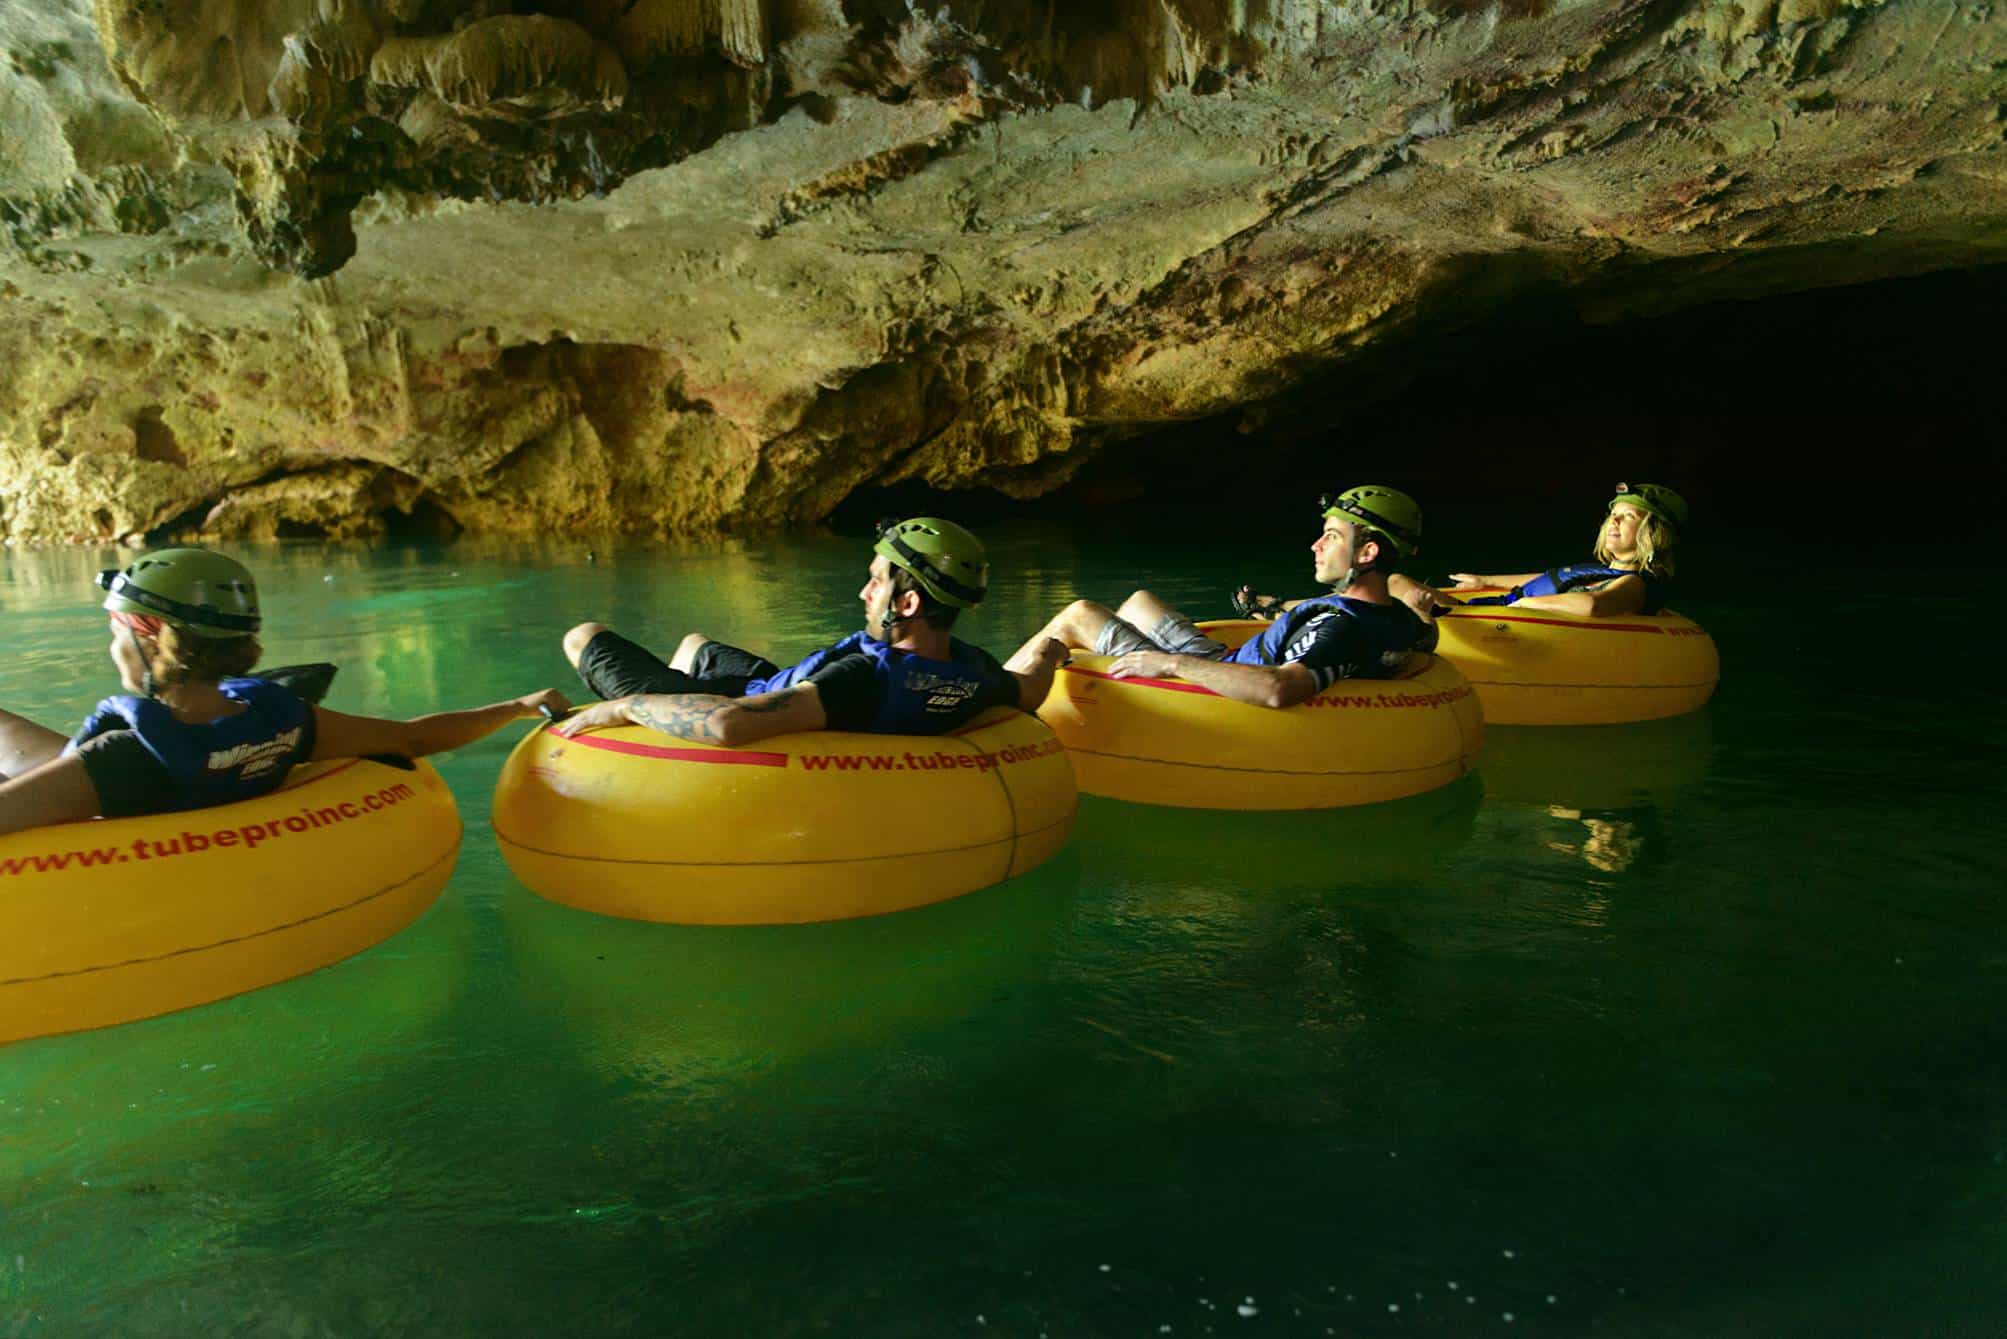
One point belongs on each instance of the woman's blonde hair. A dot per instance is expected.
(1658, 546)
(188, 658)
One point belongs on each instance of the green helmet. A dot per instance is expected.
(948, 562)
(1656, 499)
(1388, 510)
(196, 590)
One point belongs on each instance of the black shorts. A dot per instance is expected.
(612, 666)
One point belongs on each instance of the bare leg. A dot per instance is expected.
(686, 652)
(1077, 625)
(24, 745)
(1144, 611)
(575, 640)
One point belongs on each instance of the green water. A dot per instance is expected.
(1687, 1029)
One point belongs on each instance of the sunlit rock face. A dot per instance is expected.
(331, 266)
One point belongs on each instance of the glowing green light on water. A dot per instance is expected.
(1697, 1019)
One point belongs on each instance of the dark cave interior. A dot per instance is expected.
(1831, 399)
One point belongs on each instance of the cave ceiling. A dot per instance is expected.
(309, 266)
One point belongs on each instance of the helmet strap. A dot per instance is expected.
(145, 662)
(889, 621)
(1353, 571)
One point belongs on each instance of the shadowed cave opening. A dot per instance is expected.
(1832, 399)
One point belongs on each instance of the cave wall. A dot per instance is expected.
(317, 266)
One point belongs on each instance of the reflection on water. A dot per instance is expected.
(1241, 858)
(1611, 844)
(1593, 793)
(1598, 767)
(1687, 1025)
(681, 1007)
(175, 1086)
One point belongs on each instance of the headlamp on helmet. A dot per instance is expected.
(1656, 500)
(197, 590)
(1387, 510)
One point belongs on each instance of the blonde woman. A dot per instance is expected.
(196, 727)
(1635, 554)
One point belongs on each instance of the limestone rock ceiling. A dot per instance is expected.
(312, 266)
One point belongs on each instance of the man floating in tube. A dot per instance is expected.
(902, 675)
(1359, 630)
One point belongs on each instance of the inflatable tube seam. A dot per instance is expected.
(1579, 625)
(300, 782)
(1010, 804)
(452, 853)
(1143, 681)
(1599, 687)
(637, 749)
(785, 864)
(1264, 771)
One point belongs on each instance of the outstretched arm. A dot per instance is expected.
(1035, 683)
(1261, 685)
(1479, 581)
(1612, 599)
(338, 735)
(706, 718)
(56, 792)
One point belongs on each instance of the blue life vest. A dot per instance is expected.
(1390, 634)
(235, 758)
(916, 696)
(1574, 577)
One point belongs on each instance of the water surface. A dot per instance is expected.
(1692, 1028)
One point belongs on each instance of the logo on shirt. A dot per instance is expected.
(1306, 637)
(255, 759)
(943, 693)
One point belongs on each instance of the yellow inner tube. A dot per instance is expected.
(1538, 667)
(808, 827)
(118, 919)
(1361, 741)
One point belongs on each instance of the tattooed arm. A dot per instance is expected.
(706, 718)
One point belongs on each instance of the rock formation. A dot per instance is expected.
(331, 266)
